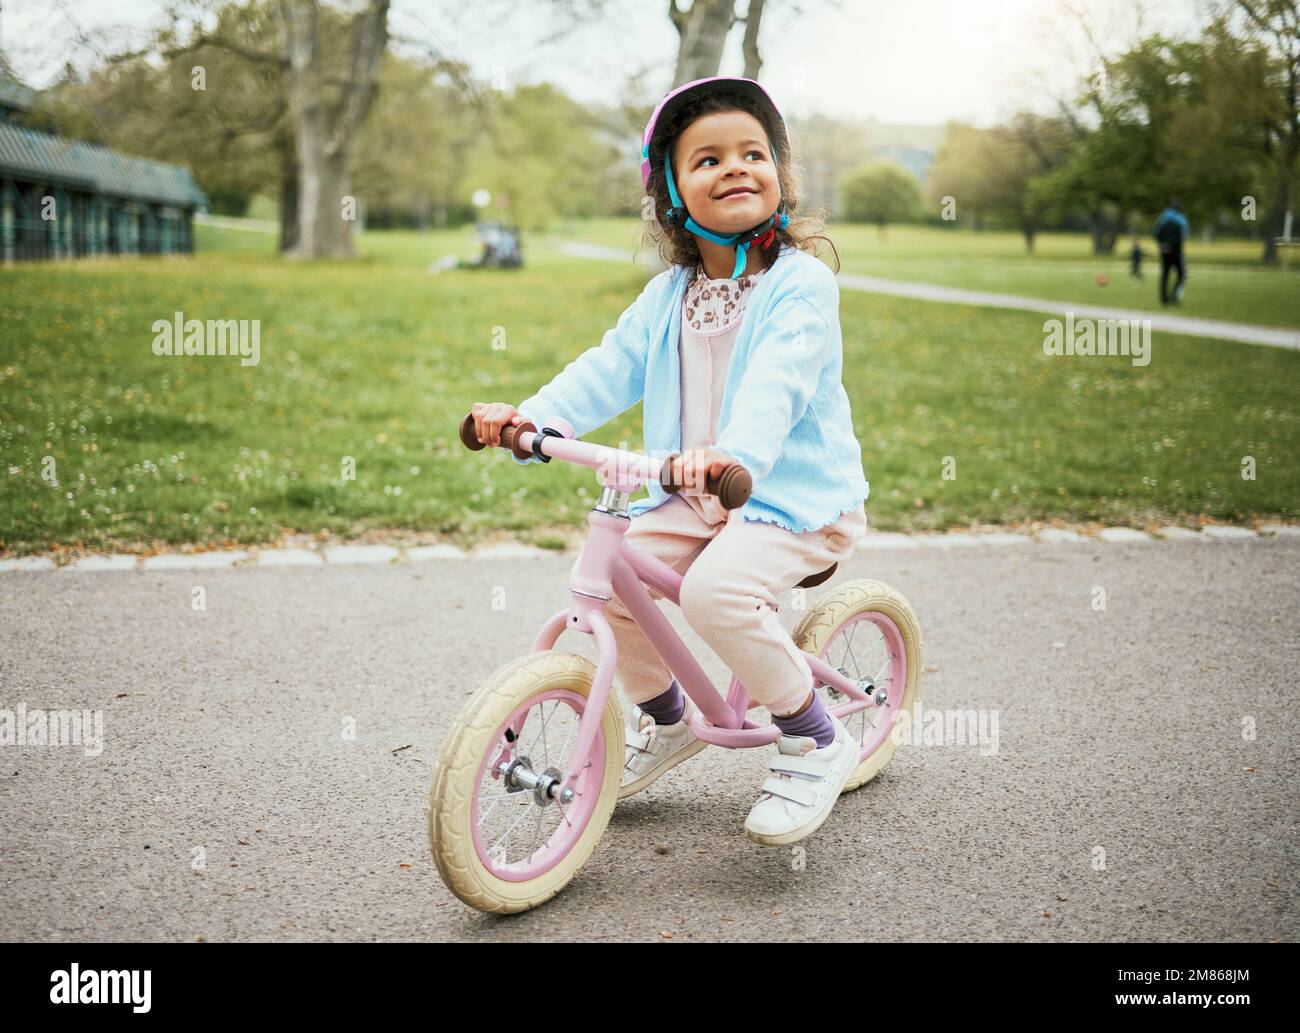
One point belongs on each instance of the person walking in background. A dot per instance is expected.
(1171, 234)
(1135, 260)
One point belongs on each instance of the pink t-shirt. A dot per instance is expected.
(711, 315)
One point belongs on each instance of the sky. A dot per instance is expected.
(894, 61)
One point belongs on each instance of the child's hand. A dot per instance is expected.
(692, 468)
(490, 417)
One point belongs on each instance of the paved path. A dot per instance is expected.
(250, 225)
(1119, 729)
(1161, 321)
(311, 554)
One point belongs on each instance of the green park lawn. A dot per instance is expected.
(378, 360)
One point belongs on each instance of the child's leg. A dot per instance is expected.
(729, 597)
(674, 534)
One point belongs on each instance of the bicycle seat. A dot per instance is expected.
(812, 580)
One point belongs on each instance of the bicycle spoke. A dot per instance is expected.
(546, 753)
(511, 829)
(495, 800)
(851, 665)
(542, 731)
(536, 829)
(848, 643)
(573, 731)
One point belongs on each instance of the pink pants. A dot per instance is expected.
(733, 570)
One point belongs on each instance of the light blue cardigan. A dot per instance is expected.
(785, 415)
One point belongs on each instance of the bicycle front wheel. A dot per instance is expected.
(500, 847)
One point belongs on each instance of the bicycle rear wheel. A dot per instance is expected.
(867, 630)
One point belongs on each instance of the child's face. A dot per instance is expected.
(723, 152)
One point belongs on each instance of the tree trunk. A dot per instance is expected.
(288, 194)
(1281, 205)
(326, 132)
(326, 211)
(1103, 231)
(749, 46)
(702, 32)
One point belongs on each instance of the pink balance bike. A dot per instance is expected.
(532, 767)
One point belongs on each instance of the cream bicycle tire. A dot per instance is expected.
(453, 815)
(848, 603)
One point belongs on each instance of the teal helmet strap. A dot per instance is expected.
(678, 215)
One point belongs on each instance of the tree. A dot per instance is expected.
(540, 150)
(409, 163)
(1004, 170)
(964, 170)
(882, 192)
(702, 30)
(328, 114)
(202, 98)
(1214, 144)
(274, 91)
(749, 45)
(1022, 157)
(1277, 24)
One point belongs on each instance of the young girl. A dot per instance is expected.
(735, 350)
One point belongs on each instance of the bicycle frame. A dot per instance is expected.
(609, 565)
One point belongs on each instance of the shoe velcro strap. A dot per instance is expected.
(789, 789)
(798, 766)
(641, 740)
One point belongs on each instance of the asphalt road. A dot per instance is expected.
(1119, 729)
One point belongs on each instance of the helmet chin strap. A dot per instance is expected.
(740, 241)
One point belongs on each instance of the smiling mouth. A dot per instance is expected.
(742, 192)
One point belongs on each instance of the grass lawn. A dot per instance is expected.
(1225, 280)
(377, 360)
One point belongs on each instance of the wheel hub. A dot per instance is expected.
(518, 775)
(879, 696)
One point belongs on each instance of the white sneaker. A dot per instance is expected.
(651, 749)
(805, 783)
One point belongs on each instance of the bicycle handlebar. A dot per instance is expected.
(732, 486)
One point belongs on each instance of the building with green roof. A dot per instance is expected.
(64, 198)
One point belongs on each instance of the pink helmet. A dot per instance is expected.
(676, 98)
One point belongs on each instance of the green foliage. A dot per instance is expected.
(1193, 119)
(539, 154)
(1001, 171)
(431, 138)
(412, 150)
(964, 169)
(880, 193)
(201, 105)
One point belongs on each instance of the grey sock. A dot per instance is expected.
(667, 707)
(814, 722)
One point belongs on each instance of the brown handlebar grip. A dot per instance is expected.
(467, 436)
(732, 486)
(509, 435)
(666, 475)
(510, 438)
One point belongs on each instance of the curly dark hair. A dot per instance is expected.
(678, 245)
